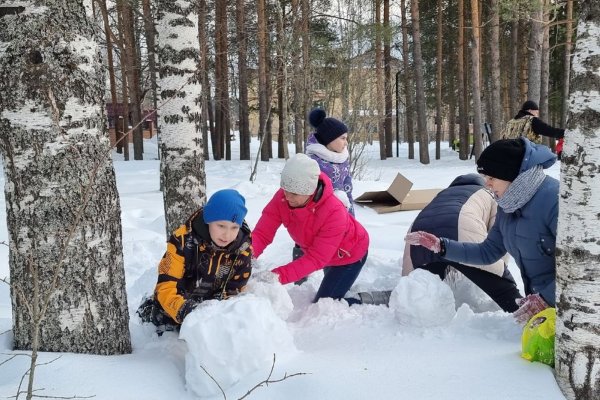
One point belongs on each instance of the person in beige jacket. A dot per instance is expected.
(465, 211)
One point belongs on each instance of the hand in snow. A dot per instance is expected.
(425, 239)
(528, 307)
(187, 307)
(266, 276)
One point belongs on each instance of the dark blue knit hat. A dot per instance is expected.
(225, 205)
(529, 105)
(328, 129)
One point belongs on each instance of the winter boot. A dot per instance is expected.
(376, 298)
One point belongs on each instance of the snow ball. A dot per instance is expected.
(421, 299)
(275, 293)
(231, 339)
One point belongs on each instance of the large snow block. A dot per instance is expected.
(397, 197)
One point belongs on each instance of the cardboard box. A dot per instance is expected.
(398, 197)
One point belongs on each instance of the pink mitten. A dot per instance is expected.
(528, 307)
(425, 239)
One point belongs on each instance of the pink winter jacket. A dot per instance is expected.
(327, 233)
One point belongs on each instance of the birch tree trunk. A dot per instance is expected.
(578, 240)
(63, 213)
(182, 162)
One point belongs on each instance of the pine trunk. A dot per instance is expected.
(578, 240)
(182, 162)
(419, 85)
(438, 82)
(380, 95)
(387, 70)
(463, 117)
(203, 42)
(244, 124)
(496, 101)
(408, 87)
(63, 212)
(567, 62)
(476, 89)
(263, 102)
(536, 36)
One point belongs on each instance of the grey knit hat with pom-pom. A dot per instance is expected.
(327, 129)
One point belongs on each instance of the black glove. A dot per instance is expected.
(185, 309)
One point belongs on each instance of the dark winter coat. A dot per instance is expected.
(528, 234)
(465, 211)
(335, 165)
(193, 268)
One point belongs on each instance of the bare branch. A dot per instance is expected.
(4, 243)
(269, 380)
(215, 381)
(10, 358)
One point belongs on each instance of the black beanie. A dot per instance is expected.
(502, 159)
(328, 129)
(530, 105)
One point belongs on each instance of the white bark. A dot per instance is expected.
(182, 162)
(578, 240)
(63, 213)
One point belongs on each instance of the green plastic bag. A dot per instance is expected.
(537, 341)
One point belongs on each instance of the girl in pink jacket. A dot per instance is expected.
(330, 238)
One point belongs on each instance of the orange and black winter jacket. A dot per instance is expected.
(193, 268)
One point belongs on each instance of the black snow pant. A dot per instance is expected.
(502, 289)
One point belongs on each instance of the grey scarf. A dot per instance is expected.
(522, 189)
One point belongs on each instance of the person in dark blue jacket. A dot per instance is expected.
(525, 224)
(464, 211)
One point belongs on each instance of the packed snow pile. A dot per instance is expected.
(421, 299)
(230, 340)
(271, 289)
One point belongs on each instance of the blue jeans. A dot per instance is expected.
(338, 280)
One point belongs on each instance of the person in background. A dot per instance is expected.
(328, 146)
(328, 235)
(559, 147)
(525, 224)
(528, 124)
(208, 257)
(465, 211)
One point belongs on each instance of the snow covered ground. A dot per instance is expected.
(419, 348)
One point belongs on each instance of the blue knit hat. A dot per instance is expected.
(328, 129)
(225, 205)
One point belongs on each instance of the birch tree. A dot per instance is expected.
(578, 240)
(66, 263)
(182, 161)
